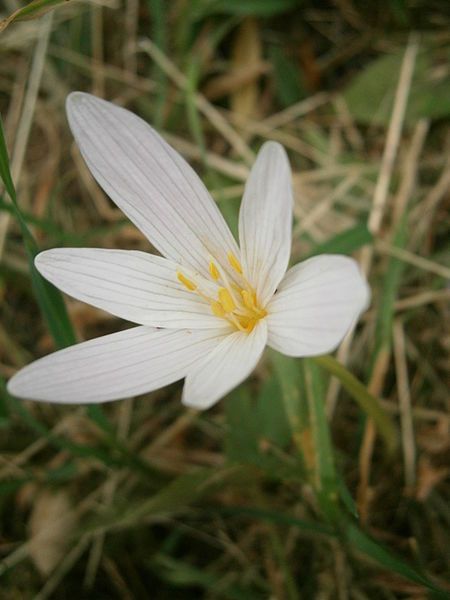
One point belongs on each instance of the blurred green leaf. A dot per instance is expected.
(117, 456)
(389, 291)
(351, 533)
(288, 82)
(5, 173)
(177, 495)
(192, 112)
(346, 242)
(364, 544)
(346, 498)
(241, 441)
(49, 298)
(4, 411)
(57, 235)
(183, 575)
(270, 415)
(253, 425)
(369, 404)
(289, 378)
(11, 486)
(53, 308)
(302, 388)
(325, 480)
(256, 8)
(279, 518)
(33, 10)
(370, 95)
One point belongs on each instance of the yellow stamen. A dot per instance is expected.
(190, 285)
(217, 309)
(233, 319)
(248, 300)
(234, 263)
(250, 325)
(236, 301)
(214, 271)
(226, 300)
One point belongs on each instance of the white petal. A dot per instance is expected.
(265, 220)
(151, 183)
(316, 304)
(133, 285)
(128, 363)
(227, 366)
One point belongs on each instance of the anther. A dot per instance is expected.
(190, 285)
(217, 309)
(234, 263)
(248, 300)
(226, 300)
(214, 271)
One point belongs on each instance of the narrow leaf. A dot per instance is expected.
(364, 544)
(49, 298)
(345, 242)
(324, 471)
(4, 411)
(33, 10)
(366, 401)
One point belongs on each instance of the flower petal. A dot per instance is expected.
(151, 183)
(128, 363)
(265, 220)
(226, 367)
(316, 304)
(133, 285)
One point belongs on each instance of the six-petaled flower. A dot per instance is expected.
(206, 308)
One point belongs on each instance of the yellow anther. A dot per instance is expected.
(214, 271)
(234, 263)
(226, 300)
(190, 285)
(236, 301)
(248, 300)
(247, 324)
(217, 309)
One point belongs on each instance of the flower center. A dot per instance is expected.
(237, 303)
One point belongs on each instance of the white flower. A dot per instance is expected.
(206, 309)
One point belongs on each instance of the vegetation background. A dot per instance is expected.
(299, 484)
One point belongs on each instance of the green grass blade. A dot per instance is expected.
(183, 576)
(391, 285)
(176, 496)
(365, 545)
(4, 410)
(49, 298)
(5, 173)
(288, 374)
(325, 480)
(278, 518)
(33, 10)
(53, 309)
(303, 397)
(118, 458)
(364, 398)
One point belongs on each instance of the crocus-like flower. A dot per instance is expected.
(206, 308)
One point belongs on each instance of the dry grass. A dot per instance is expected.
(216, 99)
